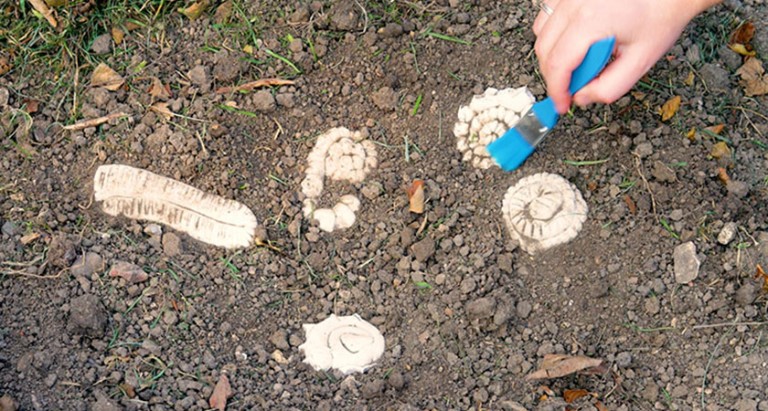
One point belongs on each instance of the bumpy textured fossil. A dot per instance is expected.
(542, 211)
(487, 117)
(143, 195)
(340, 155)
(348, 344)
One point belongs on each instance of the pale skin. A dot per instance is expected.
(644, 31)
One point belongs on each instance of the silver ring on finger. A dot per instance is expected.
(545, 8)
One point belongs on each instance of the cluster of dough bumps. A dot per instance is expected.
(341, 155)
(487, 117)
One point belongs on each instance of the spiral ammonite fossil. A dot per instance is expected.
(348, 344)
(487, 117)
(542, 211)
(341, 155)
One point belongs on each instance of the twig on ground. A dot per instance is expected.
(717, 325)
(265, 82)
(645, 182)
(94, 122)
(712, 357)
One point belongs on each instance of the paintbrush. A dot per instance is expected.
(510, 150)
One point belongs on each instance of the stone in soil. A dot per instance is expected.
(7, 403)
(104, 403)
(62, 251)
(686, 263)
(227, 67)
(131, 273)
(171, 245)
(727, 233)
(715, 77)
(385, 99)
(663, 173)
(263, 101)
(481, 308)
(87, 315)
(199, 77)
(746, 294)
(424, 249)
(344, 15)
(102, 44)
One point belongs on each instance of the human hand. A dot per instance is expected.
(644, 31)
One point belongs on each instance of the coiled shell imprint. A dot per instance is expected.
(542, 211)
(341, 155)
(487, 117)
(348, 344)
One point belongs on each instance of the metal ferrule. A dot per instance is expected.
(531, 128)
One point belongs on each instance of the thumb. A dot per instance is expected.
(616, 79)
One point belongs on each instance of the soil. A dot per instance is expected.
(465, 313)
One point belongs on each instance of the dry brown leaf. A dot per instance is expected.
(716, 129)
(104, 76)
(689, 80)
(669, 108)
(760, 274)
(631, 206)
(45, 11)
(743, 35)
(56, 3)
(195, 10)
(600, 407)
(741, 49)
(130, 26)
(31, 105)
(162, 109)
(753, 78)
(572, 395)
(720, 150)
(117, 35)
(158, 90)
(5, 64)
(638, 95)
(265, 82)
(128, 389)
(722, 175)
(416, 197)
(691, 134)
(559, 365)
(223, 12)
(221, 393)
(29, 238)
(248, 49)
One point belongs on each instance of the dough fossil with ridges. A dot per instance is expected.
(542, 211)
(142, 195)
(487, 117)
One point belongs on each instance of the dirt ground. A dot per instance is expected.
(466, 314)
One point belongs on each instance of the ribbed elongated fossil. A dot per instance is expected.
(142, 195)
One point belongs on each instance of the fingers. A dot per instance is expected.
(616, 80)
(542, 17)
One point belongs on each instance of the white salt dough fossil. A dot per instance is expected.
(143, 195)
(542, 211)
(348, 344)
(487, 117)
(340, 155)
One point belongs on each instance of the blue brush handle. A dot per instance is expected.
(593, 63)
